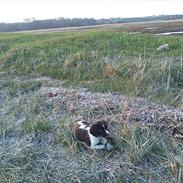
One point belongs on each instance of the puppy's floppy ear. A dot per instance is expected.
(94, 130)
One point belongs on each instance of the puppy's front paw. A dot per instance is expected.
(109, 147)
(110, 143)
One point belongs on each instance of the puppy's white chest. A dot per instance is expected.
(94, 140)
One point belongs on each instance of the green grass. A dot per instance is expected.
(17, 86)
(128, 63)
(35, 126)
(142, 144)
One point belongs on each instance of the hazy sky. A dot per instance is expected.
(18, 10)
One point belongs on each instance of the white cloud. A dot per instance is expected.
(17, 10)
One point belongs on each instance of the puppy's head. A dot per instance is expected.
(99, 129)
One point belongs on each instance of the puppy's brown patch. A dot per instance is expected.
(81, 134)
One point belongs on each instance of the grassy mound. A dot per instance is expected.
(36, 143)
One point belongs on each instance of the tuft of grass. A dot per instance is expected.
(142, 144)
(22, 87)
(64, 135)
(175, 162)
(6, 130)
(36, 126)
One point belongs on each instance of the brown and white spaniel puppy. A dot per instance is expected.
(95, 136)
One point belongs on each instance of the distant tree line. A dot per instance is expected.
(33, 24)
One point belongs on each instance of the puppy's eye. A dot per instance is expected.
(105, 126)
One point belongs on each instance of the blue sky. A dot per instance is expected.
(18, 10)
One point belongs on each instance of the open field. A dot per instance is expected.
(49, 80)
(114, 61)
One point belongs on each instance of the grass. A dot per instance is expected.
(55, 156)
(115, 61)
(143, 144)
(35, 137)
(15, 86)
(36, 126)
